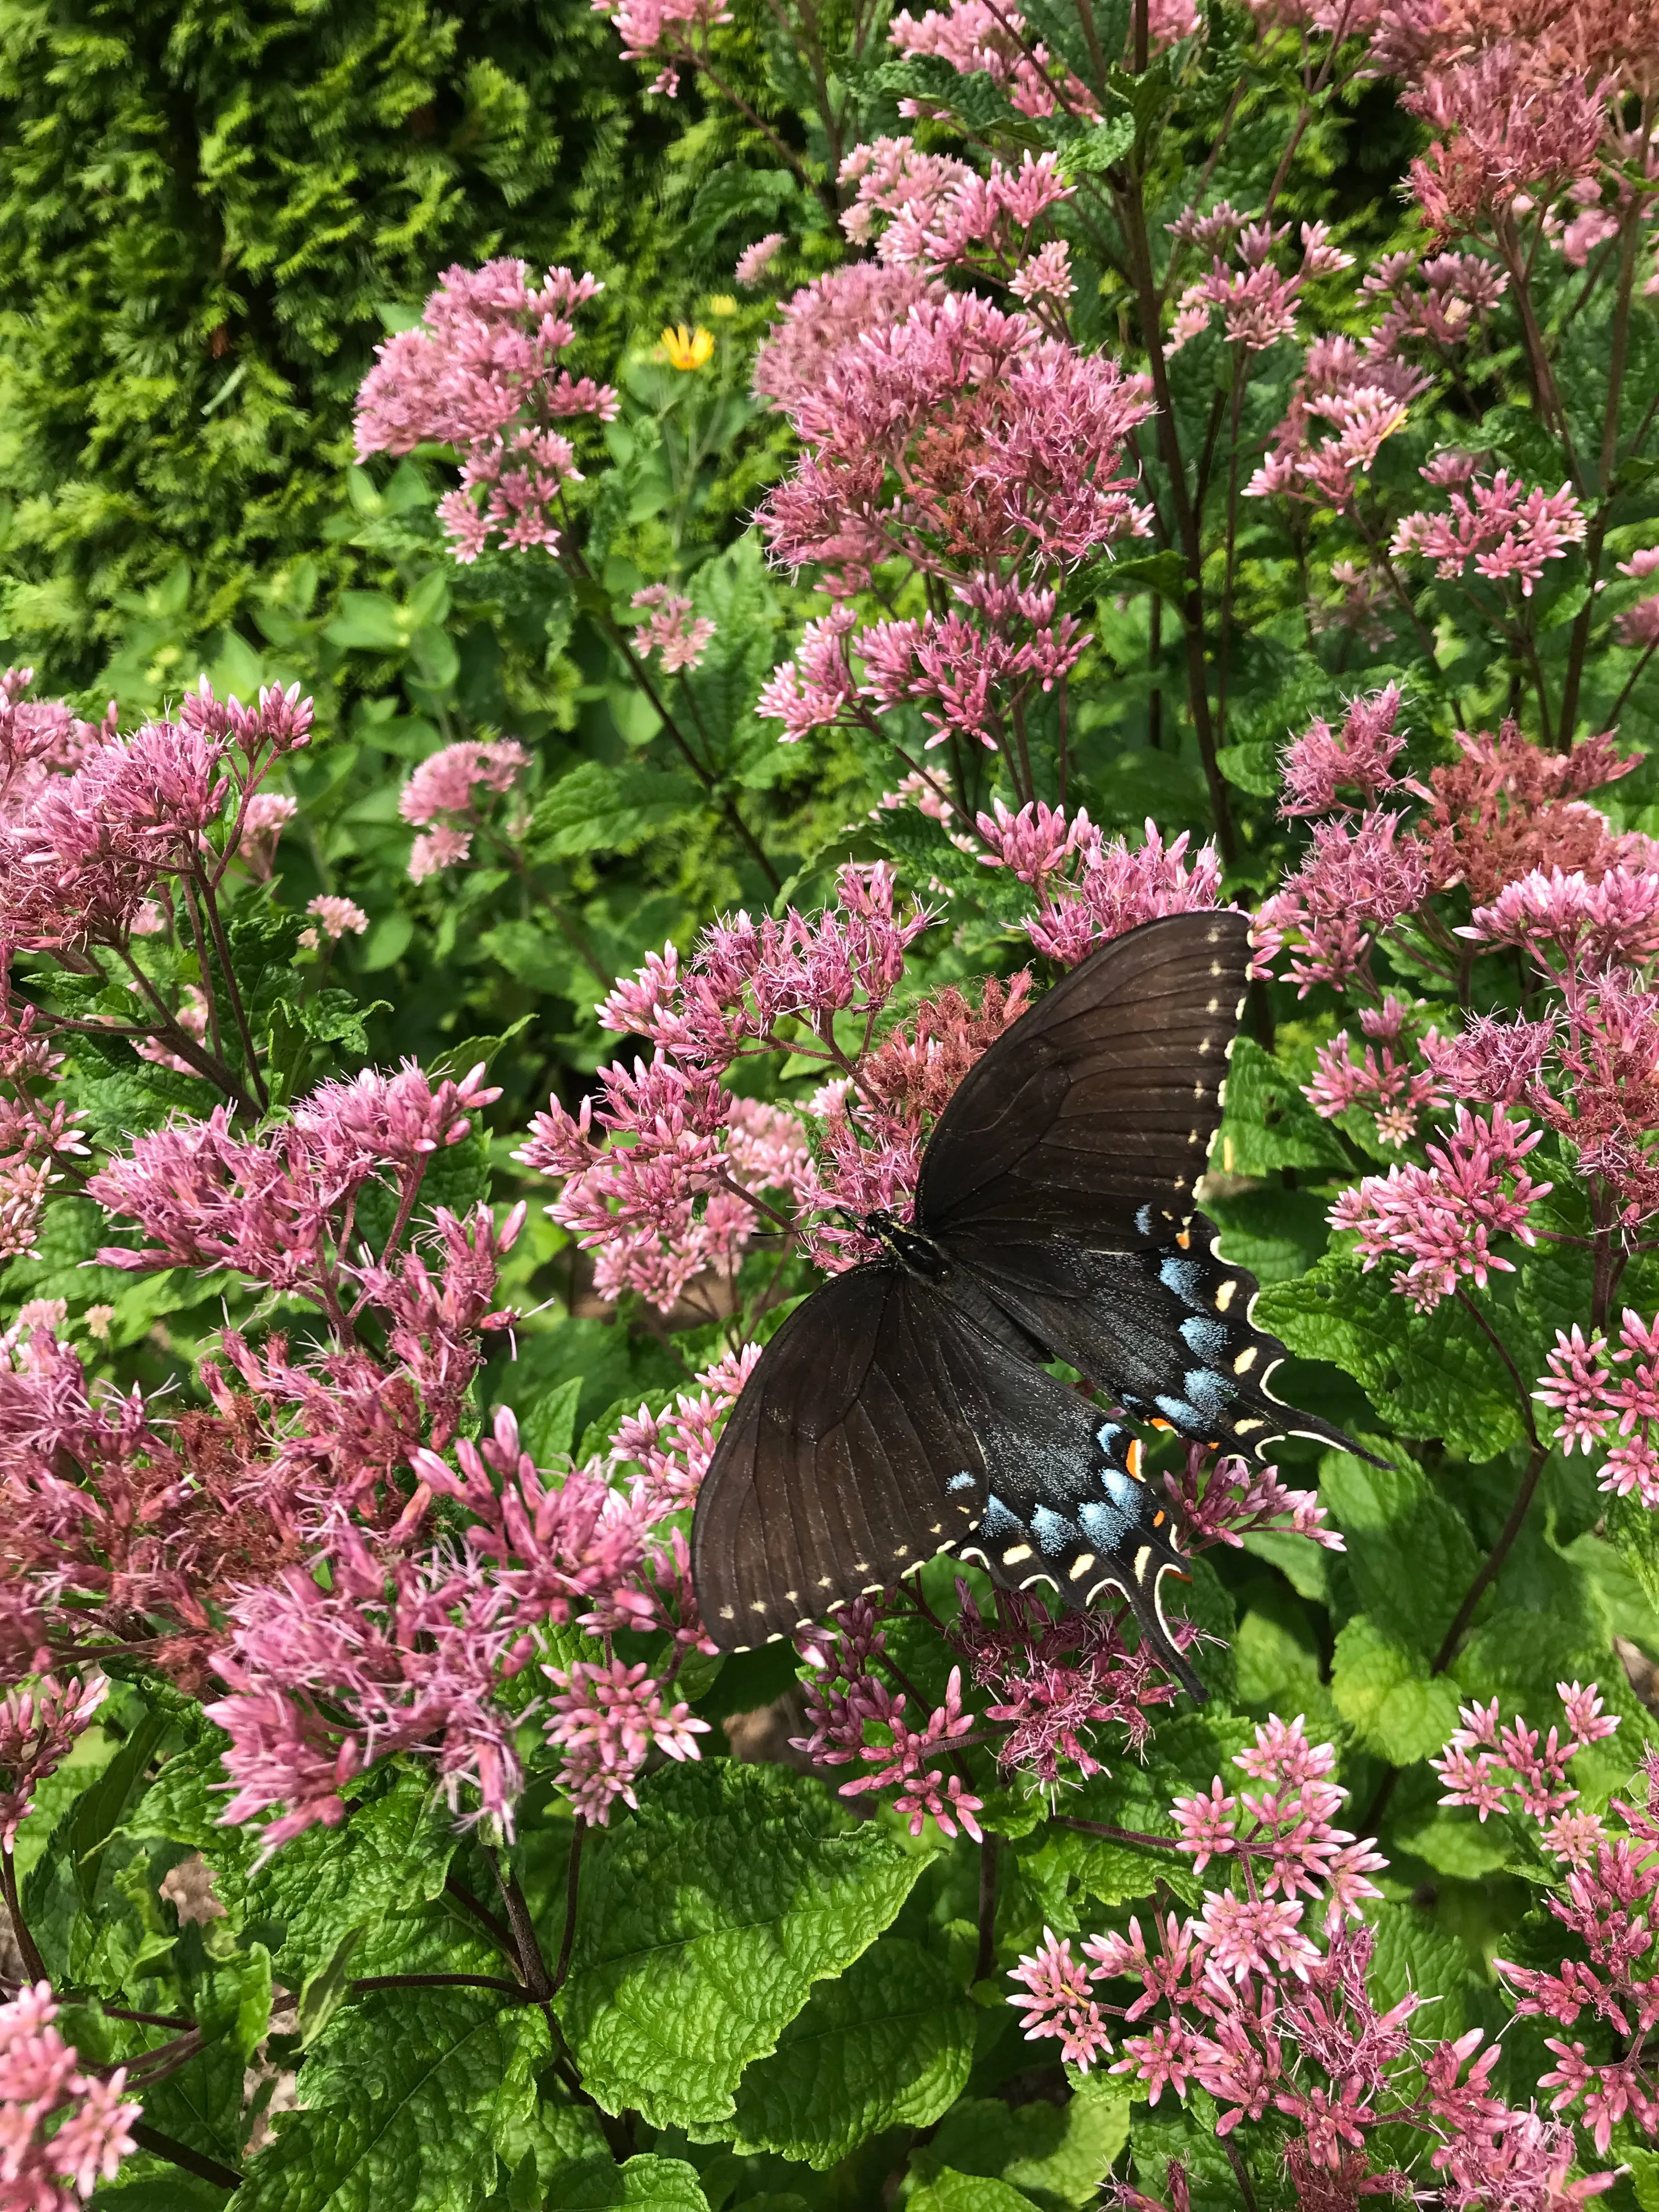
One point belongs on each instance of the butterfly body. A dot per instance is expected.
(904, 1409)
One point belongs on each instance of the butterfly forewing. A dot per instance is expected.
(1103, 1099)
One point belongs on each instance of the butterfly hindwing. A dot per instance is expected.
(1165, 1329)
(1103, 1097)
(1068, 1508)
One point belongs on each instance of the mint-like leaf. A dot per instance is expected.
(405, 2102)
(888, 2044)
(703, 1924)
(1384, 1691)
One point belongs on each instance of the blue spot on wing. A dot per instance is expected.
(1206, 1338)
(996, 1520)
(1107, 1434)
(1122, 1489)
(1178, 1410)
(1185, 1278)
(1053, 1531)
(1105, 1527)
(961, 1482)
(1214, 1393)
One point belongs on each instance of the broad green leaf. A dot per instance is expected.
(1414, 1955)
(387, 1855)
(325, 1991)
(1428, 1374)
(1057, 2154)
(547, 1428)
(1277, 1234)
(888, 2042)
(643, 2185)
(1385, 1692)
(1092, 152)
(98, 1811)
(704, 1922)
(595, 808)
(1410, 1552)
(1269, 1124)
(404, 2102)
(951, 2191)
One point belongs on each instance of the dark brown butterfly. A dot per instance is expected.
(900, 1412)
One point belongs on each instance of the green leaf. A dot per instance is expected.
(98, 1811)
(1092, 152)
(596, 808)
(1385, 1692)
(1277, 1234)
(705, 1920)
(1269, 1124)
(951, 2191)
(1414, 1955)
(888, 2044)
(369, 622)
(1057, 2154)
(325, 1991)
(1428, 1374)
(389, 1854)
(1252, 767)
(643, 2185)
(549, 1428)
(1410, 1552)
(403, 2104)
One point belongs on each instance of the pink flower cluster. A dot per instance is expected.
(1358, 880)
(670, 629)
(440, 798)
(1599, 1408)
(91, 823)
(671, 33)
(827, 315)
(943, 215)
(38, 1729)
(1508, 532)
(972, 36)
(1506, 138)
(664, 1170)
(962, 441)
(1223, 1500)
(1257, 304)
(1381, 1078)
(484, 376)
(1605, 1903)
(1440, 1219)
(1513, 1770)
(848, 1699)
(1590, 924)
(36, 1129)
(411, 1652)
(1240, 1999)
(1321, 763)
(1087, 887)
(1344, 405)
(63, 2128)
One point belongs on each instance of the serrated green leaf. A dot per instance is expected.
(1268, 1124)
(951, 2191)
(386, 1856)
(325, 1991)
(547, 1428)
(643, 2185)
(1385, 1692)
(1092, 152)
(403, 2102)
(1413, 1956)
(704, 1922)
(1060, 2154)
(1428, 1374)
(98, 1811)
(1277, 1234)
(599, 808)
(1410, 1552)
(888, 2042)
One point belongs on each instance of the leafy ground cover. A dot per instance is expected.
(1130, 460)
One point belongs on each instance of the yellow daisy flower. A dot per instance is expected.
(688, 349)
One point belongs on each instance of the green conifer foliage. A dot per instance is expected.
(204, 210)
